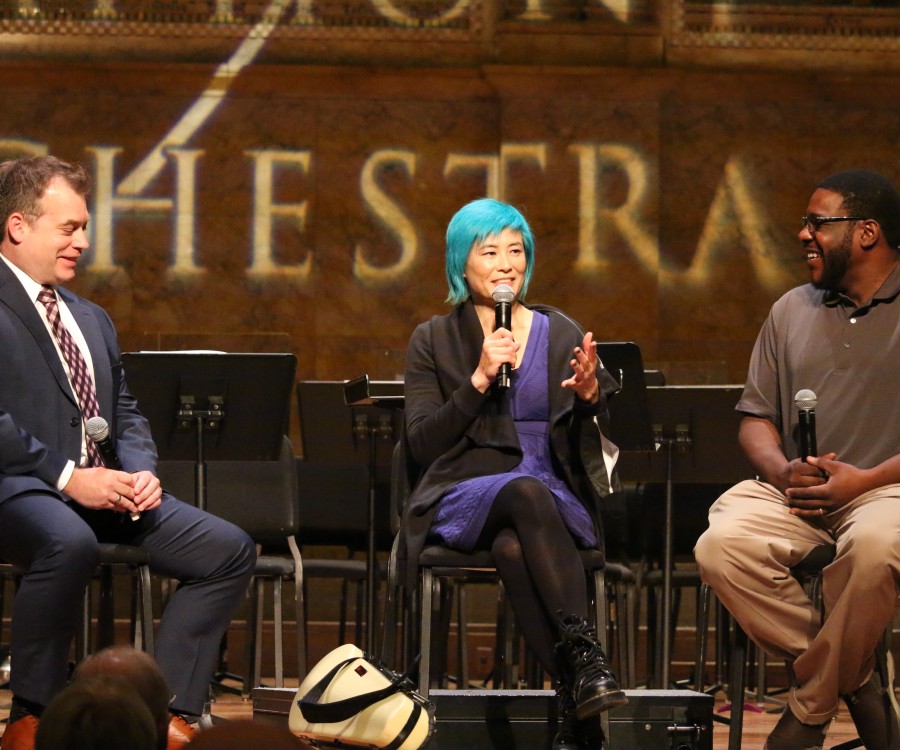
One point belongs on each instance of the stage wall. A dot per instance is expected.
(302, 208)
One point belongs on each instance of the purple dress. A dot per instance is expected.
(463, 509)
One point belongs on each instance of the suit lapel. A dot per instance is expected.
(13, 295)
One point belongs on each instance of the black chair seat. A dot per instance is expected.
(354, 570)
(271, 565)
(123, 554)
(437, 556)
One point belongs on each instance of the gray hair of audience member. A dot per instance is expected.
(96, 714)
(141, 672)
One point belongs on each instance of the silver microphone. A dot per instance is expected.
(97, 430)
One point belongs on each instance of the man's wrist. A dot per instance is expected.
(66, 475)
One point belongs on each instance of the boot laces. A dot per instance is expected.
(582, 639)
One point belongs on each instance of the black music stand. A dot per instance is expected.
(334, 434)
(385, 395)
(629, 415)
(698, 427)
(213, 406)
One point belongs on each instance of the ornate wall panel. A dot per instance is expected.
(797, 26)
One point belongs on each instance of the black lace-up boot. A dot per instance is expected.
(567, 735)
(585, 669)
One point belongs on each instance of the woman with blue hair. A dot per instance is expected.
(515, 469)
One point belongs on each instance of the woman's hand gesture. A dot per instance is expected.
(584, 367)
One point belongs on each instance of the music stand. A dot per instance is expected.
(213, 406)
(334, 434)
(698, 427)
(629, 416)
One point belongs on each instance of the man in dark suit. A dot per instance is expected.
(60, 365)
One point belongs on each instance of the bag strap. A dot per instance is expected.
(411, 723)
(330, 713)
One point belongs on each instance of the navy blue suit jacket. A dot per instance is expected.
(40, 420)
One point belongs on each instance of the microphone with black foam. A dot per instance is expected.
(97, 430)
(805, 401)
(503, 297)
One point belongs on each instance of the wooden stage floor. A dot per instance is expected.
(756, 725)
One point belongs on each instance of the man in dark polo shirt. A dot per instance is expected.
(838, 336)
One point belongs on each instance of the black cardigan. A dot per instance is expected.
(454, 432)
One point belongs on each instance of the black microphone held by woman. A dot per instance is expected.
(503, 297)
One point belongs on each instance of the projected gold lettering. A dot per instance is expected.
(266, 210)
(626, 218)
(163, 185)
(495, 165)
(390, 214)
(540, 10)
(390, 10)
(108, 203)
(733, 219)
(125, 196)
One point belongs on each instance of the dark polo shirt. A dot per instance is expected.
(849, 356)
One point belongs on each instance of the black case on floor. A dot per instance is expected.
(526, 719)
(676, 719)
(476, 719)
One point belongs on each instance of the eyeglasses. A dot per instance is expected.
(814, 223)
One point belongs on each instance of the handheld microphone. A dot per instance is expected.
(805, 401)
(503, 297)
(97, 430)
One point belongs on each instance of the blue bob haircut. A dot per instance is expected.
(473, 224)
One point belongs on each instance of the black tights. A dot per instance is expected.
(538, 562)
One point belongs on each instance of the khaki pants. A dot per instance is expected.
(746, 556)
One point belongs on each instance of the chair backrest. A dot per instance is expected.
(405, 474)
(338, 453)
(334, 504)
(400, 486)
(260, 497)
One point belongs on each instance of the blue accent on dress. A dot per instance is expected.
(463, 509)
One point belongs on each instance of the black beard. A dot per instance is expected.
(835, 265)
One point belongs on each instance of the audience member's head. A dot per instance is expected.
(141, 672)
(243, 734)
(96, 714)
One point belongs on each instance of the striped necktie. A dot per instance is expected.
(82, 382)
